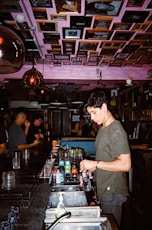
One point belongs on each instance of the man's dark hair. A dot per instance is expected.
(97, 99)
(37, 116)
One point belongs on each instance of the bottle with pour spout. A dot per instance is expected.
(60, 210)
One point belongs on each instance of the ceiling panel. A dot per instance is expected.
(109, 28)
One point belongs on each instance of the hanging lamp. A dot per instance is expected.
(32, 78)
(12, 49)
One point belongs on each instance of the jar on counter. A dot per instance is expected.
(8, 180)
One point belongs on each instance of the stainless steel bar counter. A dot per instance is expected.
(33, 212)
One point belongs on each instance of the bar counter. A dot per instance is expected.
(33, 203)
(32, 211)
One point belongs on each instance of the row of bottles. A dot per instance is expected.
(12, 219)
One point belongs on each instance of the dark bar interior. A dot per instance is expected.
(76, 115)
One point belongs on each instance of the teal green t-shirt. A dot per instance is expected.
(111, 141)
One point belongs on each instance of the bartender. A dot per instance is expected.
(113, 157)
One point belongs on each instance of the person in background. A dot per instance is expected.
(84, 126)
(17, 136)
(113, 158)
(7, 123)
(35, 131)
(3, 139)
(2, 149)
(94, 129)
(77, 131)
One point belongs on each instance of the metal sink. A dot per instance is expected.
(83, 226)
(73, 196)
(82, 218)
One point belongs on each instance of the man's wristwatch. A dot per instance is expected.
(97, 162)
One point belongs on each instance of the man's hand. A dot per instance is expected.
(87, 165)
(27, 124)
(36, 142)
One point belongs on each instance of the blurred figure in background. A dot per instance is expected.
(2, 149)
(94, 129)
(76, 131)
(17, 136)
(36, 130)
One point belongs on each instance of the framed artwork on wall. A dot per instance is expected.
(106, 7)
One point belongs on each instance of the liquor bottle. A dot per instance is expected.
(86, 181)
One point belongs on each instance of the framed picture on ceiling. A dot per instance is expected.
(112, 44)
(40, 13)
(26, 34)
(143, 36)
(135, 3)
(68, 46)
(87, 45)
(116, 63)
(80, 21)
(72, 33)
(13, 25)
(135, 16)
(131, 47)
(108, 51)
(61, 57)
(98, 34)
(149, 6)
(38, 3)
(149, 29)
(46, 26)
(90, 63)
(121, 26)
(122, 55)
(141, 26)
(105, 7)
(76, 62)
(63, 6)
(58, 17)
(51, 38)
(122, 35)
(102, 22)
